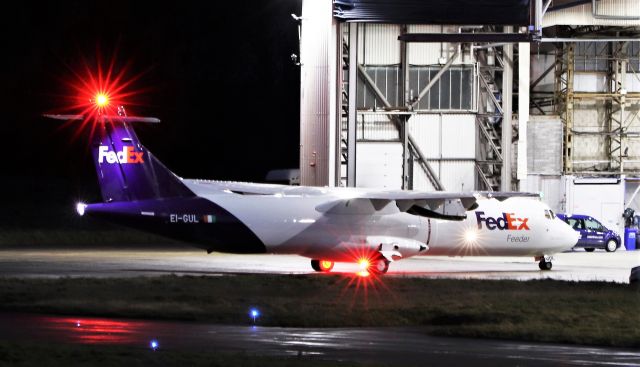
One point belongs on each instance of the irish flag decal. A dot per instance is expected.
(209, 218)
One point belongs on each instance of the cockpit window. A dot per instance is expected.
(547, 214)
(553, 215)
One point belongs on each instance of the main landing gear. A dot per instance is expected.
(323, 266)
(545, 262)
(379, 265)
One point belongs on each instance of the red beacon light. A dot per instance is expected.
(102, 100)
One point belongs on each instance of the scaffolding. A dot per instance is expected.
(617, 134)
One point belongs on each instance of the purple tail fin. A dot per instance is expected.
(127, 171)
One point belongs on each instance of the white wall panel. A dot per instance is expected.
(379, 165)
(590, 82)
(457, 175)
(425, 130)
(604, 202)
(379, 44)
(633, 82)
(459, 136)
(420, 180)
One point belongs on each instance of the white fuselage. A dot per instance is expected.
(291, 220)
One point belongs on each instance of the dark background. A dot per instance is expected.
(218, 74)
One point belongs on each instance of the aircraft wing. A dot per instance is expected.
(441, 205)
(444, 205)
(504, 195)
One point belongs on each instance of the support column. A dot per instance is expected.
(407, 178)
(317, 92)
(507, 95)
(352, 117)
(568, 109)
(524, 61)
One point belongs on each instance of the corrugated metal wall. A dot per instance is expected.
(582, 14)
(317, 92)
(378, 44)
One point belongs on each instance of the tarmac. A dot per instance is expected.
(148, 261)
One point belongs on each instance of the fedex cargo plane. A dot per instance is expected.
(325, 224)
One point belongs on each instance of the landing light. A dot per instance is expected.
(154, 345)
(80, 207)
(363, 264)
(471, 236)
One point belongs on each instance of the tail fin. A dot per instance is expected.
(127, 171)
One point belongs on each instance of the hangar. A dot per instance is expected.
(417, 94)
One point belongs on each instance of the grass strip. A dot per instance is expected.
(590, 313)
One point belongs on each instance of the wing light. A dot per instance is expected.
(80, 208)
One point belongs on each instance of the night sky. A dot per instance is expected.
(218, 74)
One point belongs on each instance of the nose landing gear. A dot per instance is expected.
(545, 262)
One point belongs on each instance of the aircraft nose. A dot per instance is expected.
(568, 235)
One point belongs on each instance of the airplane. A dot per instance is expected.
(325, 224)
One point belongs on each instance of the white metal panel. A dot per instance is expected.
(316, 93)
(379, 165)
(633, 82)
(380, 46)
(425, 130)
(420, 180)
(582, 14)
(590, 82)
(424, 53)
(459, 136)
(604, 202)
(457, 175)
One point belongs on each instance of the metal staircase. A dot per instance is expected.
(489, 121)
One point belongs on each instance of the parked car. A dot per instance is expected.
(593, 234)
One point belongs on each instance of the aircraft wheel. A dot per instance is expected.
(611, 246)
(379, 266)
(545, 265)
(589, 249)
(324, 266)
